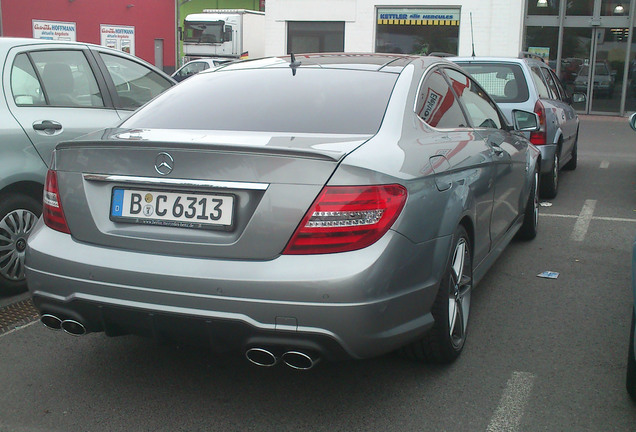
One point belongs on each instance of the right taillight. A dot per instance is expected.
(539, 137)
(346, 218)
(52, 212)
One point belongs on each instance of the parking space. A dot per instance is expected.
(542, 354)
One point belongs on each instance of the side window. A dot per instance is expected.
(541, 86)
(481, 110)
(551, 83)
(559, 85)
(192, 69)
(135, 83)
(436, 104)
(25, 86)
(196, 67)
(67, 78)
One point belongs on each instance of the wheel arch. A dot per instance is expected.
(468, 225)
(30, 188)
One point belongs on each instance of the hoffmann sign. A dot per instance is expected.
(54, 30)
(118, 37)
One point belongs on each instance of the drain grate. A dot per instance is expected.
(17, 314)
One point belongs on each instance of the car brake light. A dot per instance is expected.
(346, 218)
(539, 137)
(52, 212)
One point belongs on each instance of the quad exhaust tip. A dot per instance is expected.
(51, 322)
(294, 359)
(69, 326)
(299, 360)
(261, 357)
(73, 327)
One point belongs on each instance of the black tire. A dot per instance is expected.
(631, 363)
(530, 225)
(18, 215)
(571, 165)
(549, 184)
(445, 341)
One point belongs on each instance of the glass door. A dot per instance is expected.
(575, 58)
(607, 74)
(593, 63)
(587, 43)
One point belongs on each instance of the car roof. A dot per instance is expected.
(7, 43)
(10, 42)
(518, 60)
(353, 61)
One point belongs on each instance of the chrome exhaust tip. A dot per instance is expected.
(73, 327)
(261, 357)
(51, 322)
(299, 360)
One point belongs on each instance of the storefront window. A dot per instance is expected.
(543, 7)
(417, 31)
(543, 41)
(615, 8)
(580, 7)
(313, 37)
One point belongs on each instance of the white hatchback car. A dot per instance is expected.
(196, 66)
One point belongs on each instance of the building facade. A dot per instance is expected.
(145, 28)
(582, 39)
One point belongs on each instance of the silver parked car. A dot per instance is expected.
(603, 80)
(345, 210)
(529, 84)
(54, 91)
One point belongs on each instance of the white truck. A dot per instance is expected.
(224, 33)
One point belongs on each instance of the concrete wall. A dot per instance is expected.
(497, 24)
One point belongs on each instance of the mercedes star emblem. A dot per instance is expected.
(164, 163)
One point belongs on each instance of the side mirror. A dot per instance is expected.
(525, 121)
(632, 121)
(579, 98)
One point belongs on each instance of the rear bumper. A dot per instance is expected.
(350, 305)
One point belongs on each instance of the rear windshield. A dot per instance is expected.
(600, 69)
(273, 100)
(504, 82)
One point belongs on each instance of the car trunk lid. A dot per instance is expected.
(243, 193)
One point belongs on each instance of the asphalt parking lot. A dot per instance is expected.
(542, 354)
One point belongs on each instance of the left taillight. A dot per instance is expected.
(346, 218)
(52, 212)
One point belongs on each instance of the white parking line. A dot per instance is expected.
(601, 218)
(604, 165)
(512, 403)
(19, 328)
(583, 221)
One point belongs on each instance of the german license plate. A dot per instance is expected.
(179, 209)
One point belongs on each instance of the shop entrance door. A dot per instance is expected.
(604, 75)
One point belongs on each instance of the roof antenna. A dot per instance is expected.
(294, 64)
(472, 36)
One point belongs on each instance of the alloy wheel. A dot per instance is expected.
(459, 295)
(14, 231)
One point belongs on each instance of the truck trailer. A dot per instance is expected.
(224, 33)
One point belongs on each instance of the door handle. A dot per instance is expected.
(47, 125)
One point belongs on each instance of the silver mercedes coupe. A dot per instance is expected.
(294, 208)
